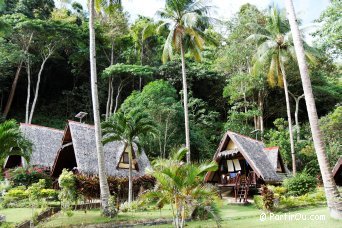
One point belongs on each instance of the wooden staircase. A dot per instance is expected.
(242, 186)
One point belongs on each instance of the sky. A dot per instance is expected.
(307, 10)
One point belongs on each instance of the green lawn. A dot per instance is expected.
(94, 217)
(232, 215)
(235, 217)
(16, 215)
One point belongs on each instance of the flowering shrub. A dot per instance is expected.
(27, 176)
(88, 186)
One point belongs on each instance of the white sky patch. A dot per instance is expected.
(307, 10)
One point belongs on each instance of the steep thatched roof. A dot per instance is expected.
(81, 139)
(272, 155)
(46, 142)
(262, 160)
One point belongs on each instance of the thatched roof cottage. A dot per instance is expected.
(238, 154)
(78, 150)
(46, 142)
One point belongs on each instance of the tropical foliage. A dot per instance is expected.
(180, 186)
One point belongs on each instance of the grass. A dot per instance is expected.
(249, 216)
(232, 215)
(94, 217)
(16, 215)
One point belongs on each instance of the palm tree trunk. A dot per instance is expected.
(185, 97)
(288, 108)
(333, 197)
(104, 189)
(130, 173)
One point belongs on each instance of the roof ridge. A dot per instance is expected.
(244, 136)
(75, 122)
(39, 126)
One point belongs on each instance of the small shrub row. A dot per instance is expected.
(288, 202)
(19, 196)
(27, 176)
(300, 184)
(88, 186)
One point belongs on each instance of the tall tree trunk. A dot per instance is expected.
(110, 85)
(297, 100)
(108, 98)
(130, 172)
(186, 112)
(333, 197)
(288, 108)
(261, 117)
(13, 89)
(28, 90)
(104, 189)
(117, 98)
(15, 81)
(33, 107)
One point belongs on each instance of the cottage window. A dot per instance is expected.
(124, 161)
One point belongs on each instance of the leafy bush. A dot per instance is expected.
(34, 194)
(316, 198)
(25, 177)
(68, 194)
(13, 196)
(18, 193)
(300, 184)
(258, 201)
(50, 194)
(113, 210)
(277, 190)
(88, 186)
(133, 206)
(267, 198)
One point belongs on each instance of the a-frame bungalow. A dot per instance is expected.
(78, 151)
(244, 163)
(46, 142)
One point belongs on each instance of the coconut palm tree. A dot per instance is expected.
(12, 141)
(332, 194)
(104, 189)
(181, 186)
(186, 20)
(128, 128)
(275, 48)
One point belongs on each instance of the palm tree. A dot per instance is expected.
(332, 194)
(128, 128)
(186, 20)
(104, 189)
(181, 186)
(275, 47)
(12, 141)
